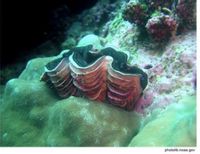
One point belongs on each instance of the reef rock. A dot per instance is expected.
(33, 116)
(175, 126)
(34, 69)
(90, 39)
(20, 126)
(84, 123)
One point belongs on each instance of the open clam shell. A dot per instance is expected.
(103, 76)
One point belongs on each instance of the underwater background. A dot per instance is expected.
(157, 36)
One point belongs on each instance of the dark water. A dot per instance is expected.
(33, 28)
(27, 24)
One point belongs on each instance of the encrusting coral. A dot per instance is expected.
(159, 4)
(161, 28)
(136, 13)
(160, 18)
(186, 13)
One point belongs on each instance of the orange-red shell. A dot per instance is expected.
(103, 76)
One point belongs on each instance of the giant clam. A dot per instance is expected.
(101, 75)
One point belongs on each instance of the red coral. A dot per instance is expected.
(136, 13)
(186, 12)
(156, 4)
(161, 28)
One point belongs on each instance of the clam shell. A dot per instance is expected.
(103, 76)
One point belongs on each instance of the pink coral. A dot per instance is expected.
(158, 69)
(188, 59)
(144, 102)
(161, 28)
(162, 102)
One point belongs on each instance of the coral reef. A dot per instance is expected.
(34, 68)
(171, 68)
(40, 119)
(136, 12)
(94, 20)
(90, 39)
(173, 77)
(161, 17)
(165, 115)
(159, 4)
(148, 17)
(161, 28)
(176, 126)
(186, 12)
(98, 15)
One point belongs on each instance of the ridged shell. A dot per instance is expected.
(97, 76)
